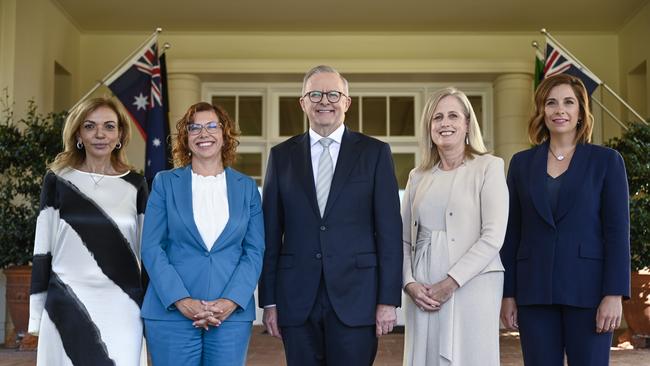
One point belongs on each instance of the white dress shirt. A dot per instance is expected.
(210, 206)
(317, 149)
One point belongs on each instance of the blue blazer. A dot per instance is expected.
(178, 262)
(583, 252)
(356, 248)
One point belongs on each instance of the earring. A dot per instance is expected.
(80, 145)
(467, 138)
(579, 122)
(118, 145)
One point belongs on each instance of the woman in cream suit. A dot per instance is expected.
(455, 213)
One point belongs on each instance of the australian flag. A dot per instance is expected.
(558, 62)
(138, 86)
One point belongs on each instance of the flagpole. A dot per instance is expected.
(547, 34)
(535, 45)
(609, 113)
(165, 47)
(103, 80)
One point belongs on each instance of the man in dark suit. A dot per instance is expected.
(332, 268)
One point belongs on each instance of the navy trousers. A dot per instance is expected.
(549, 331)
(323, 340)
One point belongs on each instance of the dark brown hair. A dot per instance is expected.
(181, 152)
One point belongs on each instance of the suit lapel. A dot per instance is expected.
(235, 206)
(183, 200)
(348, 155)
(301, 159)
(537, 184)
(571, 182)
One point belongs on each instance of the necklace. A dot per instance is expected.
(559, 157)
(95, 177)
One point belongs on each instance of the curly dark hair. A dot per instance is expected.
(181, 151)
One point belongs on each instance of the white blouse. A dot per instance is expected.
(210, 206)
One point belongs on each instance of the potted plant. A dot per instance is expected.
(634, 146)
(27, 145)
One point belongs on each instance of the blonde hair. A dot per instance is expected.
(71, 156)
(537, 130)
(429, 151)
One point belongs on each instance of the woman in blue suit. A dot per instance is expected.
(566, 252)
(202, 246)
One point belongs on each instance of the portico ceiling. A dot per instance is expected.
(350, 15)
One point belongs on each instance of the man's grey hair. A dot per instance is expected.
(323, 69)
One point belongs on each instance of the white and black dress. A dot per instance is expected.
(87, 285)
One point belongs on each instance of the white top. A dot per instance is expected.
(210, 206)
(317, 149)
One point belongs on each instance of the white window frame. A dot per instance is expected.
(272, 91)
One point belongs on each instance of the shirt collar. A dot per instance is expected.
(337, 135)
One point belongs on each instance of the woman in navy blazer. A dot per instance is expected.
(566, 252)
(202, 246)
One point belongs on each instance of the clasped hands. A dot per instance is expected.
(431, 297)
(206, 313)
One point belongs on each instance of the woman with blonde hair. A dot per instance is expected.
(86, 278)
(454, 215)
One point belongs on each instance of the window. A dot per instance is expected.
(245, 110)
(268, 113)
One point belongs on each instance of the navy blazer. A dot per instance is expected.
(179, 263)
(356, 246)
(583, 252)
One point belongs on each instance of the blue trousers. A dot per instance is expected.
(173, 343)
(549, 331)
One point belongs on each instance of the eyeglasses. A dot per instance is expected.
(211, 127)
(332, 96)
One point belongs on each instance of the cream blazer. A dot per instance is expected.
(476, 217)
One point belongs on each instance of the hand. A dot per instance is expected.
(386, 317)
(442, 291)
(270, 320)
(190, 308)
(509, 313)
(214, 312)
(608, 316)
(419, 293)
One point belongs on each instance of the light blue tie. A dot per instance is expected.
(325, 173)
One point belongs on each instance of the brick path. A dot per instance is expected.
(267, 351)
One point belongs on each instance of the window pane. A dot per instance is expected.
(228, 102)
(404, 163)
(352, 115)
(374, 116)
(250, 116)
(402, 120)
(290, 116)
(477, 104)
(249, 164)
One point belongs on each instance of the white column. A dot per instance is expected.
(513, 106)
(184, 90)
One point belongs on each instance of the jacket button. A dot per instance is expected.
(207, 254)
(451, 214)
(319, 256)
(415, 223)
(452, 239)
(323, 228)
